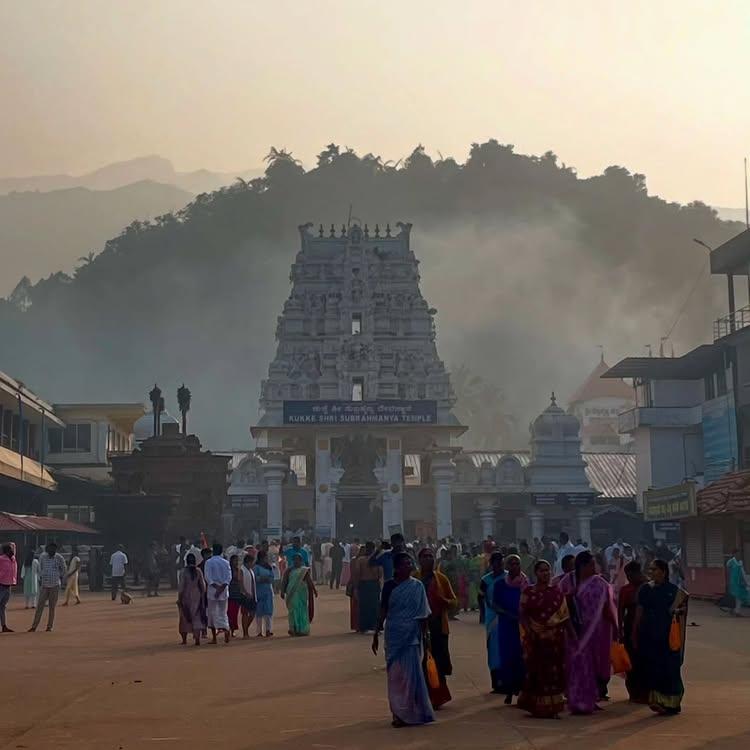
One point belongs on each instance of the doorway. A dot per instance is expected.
(360, 518)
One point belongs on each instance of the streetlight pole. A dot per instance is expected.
(730, 287)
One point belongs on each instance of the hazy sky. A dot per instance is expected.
(657, 86)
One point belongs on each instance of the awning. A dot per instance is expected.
(11, 522)
(25, 469)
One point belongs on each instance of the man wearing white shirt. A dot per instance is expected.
(218, 576)
(118, 561)
(566, 548)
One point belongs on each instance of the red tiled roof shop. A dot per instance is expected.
(730, 494)
(10, 522)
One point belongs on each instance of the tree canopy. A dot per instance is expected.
(529, 265)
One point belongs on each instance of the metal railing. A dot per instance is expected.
(735, 321)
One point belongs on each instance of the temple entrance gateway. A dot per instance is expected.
(359, 516)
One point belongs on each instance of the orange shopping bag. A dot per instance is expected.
(431, 670)
(675, 635)
(619, 658)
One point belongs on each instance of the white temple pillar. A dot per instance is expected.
(536, 518)
(274, 471)
(393, 495)
(443, 472)
(584, 516)
(487, 513)
(325, 507)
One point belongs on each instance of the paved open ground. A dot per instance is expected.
(114, 676)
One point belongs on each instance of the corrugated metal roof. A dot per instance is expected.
(611, 474)
(18, 523)
(480, 457)
(729, 494)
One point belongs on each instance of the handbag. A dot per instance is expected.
(619, 658)
(675, 635)
(431, 671)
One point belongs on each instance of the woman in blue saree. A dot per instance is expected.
(486, 595)
(404, 610)
(506, 602)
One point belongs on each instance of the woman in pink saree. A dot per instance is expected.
(594, 617)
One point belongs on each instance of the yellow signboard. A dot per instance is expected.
(670, 503)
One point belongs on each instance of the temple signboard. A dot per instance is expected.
(382, 412)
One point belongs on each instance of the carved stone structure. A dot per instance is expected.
(357, 437)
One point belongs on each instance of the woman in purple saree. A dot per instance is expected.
(595, 621)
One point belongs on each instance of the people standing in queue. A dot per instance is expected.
(218, 576)
(442, 599)
(404, 610)
(544, 620)
(660, 603)
(52, 577)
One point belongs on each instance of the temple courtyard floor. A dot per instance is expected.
(114, 676)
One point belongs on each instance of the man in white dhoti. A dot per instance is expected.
(218, 576)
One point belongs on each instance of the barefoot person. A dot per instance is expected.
(404, 610)
(298, 590)
(218, 576)
(190, 601)
(264, 594)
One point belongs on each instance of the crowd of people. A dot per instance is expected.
(558, 617)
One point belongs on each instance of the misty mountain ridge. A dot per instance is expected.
(529, 266)
(118, 174)
(42, 233)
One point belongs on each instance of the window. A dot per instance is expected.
(358, 389)
(721, 382)
(75, 438)
(708, 383)
(356, 324)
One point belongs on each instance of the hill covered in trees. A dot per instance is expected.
(529, 266)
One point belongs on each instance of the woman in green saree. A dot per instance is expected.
(298, 590)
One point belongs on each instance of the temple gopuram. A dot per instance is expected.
(357, 435)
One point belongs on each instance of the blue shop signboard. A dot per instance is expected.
(360, 412)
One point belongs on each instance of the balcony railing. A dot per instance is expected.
(735, 321)
(658, 416)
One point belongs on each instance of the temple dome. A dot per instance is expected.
(144, 427)
(555, 423)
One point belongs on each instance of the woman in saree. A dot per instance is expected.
(544, 621)
(404, 610)
(298, 590)
(450, 567)
(506, 600)
(635, 679)
(486, 593)
(191, 598)
(595, 622)
(659, 602)
(737, 583)
(442, 599)
(365, 590)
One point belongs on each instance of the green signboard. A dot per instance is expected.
(670, 503)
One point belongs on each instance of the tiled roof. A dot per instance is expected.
(12, 522)
(596, 387)
(730, 494)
